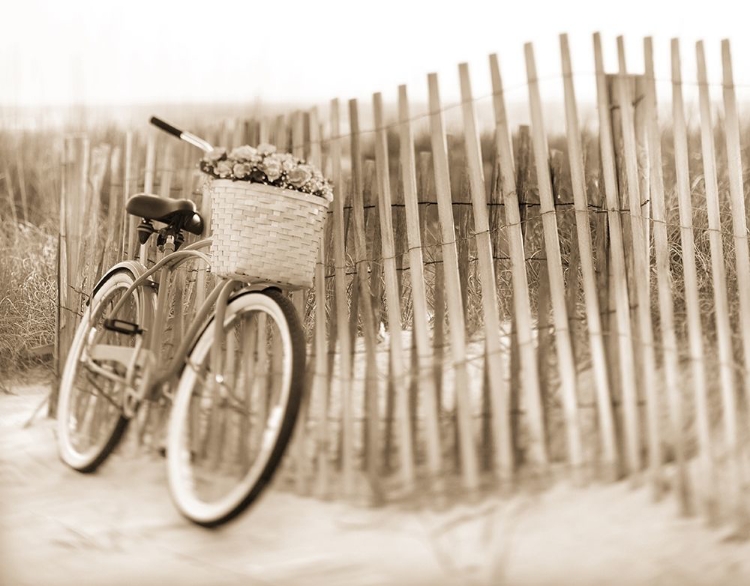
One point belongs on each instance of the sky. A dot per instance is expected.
(114, 52)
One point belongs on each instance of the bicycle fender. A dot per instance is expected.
(137, 270)
(131, 265)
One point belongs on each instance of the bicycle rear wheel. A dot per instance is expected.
(90, 421)
(230, 424)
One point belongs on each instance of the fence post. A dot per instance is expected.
(115, 210)
(585, 247)
(299, 299)
(128, 221)
(372, 453)
(393, 298)
(521, 302)
(661, 250)
(342, 307)
(321, 359)
(428, 219)
(426, 379)
(498, 390)
(619, 281)
(707, 475)
(718, 273)
(566, 360)
(467, 447)
(641, 274)
(739, 213)
(62, 317)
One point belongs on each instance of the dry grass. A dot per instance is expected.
(28, 293)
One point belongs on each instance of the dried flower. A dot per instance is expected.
(264, 165)
(242, 170)
(243, 153)
(217, 154)
(288, 162)
(223, 169)
(272, 168)
(299, 176)
(266, 149)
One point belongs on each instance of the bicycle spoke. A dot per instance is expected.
(92, 409)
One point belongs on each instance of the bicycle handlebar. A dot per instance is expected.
(182, 135)
(168, 128)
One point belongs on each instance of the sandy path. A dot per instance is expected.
(119, 527)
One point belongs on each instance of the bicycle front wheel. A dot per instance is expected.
(234, 411)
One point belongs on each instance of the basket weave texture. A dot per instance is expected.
(265, 233)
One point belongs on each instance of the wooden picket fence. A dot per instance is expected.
(488, 311)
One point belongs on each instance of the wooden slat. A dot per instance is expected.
(371, 189)
(468, 453)
(427, 220)
(588, 272)
(372, 419)
(298, 134)
(641, 275)
(129, 222)
(342, 308)
(537, 450)
(427, 385)
(227, 133)
(115, 210)
(62, 318)
(721, 306)
(92, 249)
(79, 157)
(264, 131)
(202, 274)
(148, 187)
(565, 357)
(299, 297)
(166, 172)
(393, 299)
(524, 190)
(150, 169)
(280, 135)
(243, 133)
(640, 115)
(619, 284)
(706, 476)
(498, 391)
(169, 167)
(664, 281)
(321, 362)
(739, 212)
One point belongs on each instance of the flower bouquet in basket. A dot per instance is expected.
(268, 211)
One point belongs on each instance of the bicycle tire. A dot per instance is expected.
(181, 457)
(89, 460)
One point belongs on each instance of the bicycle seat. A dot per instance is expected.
(178, 212)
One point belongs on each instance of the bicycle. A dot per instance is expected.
(235, 390)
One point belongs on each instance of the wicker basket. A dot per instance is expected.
(265, 233)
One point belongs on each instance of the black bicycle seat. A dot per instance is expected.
(178, 212)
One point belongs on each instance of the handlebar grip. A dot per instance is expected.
(166, 127)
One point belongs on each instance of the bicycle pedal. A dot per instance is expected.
(122, 327)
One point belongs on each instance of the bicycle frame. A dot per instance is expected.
(144, 355)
